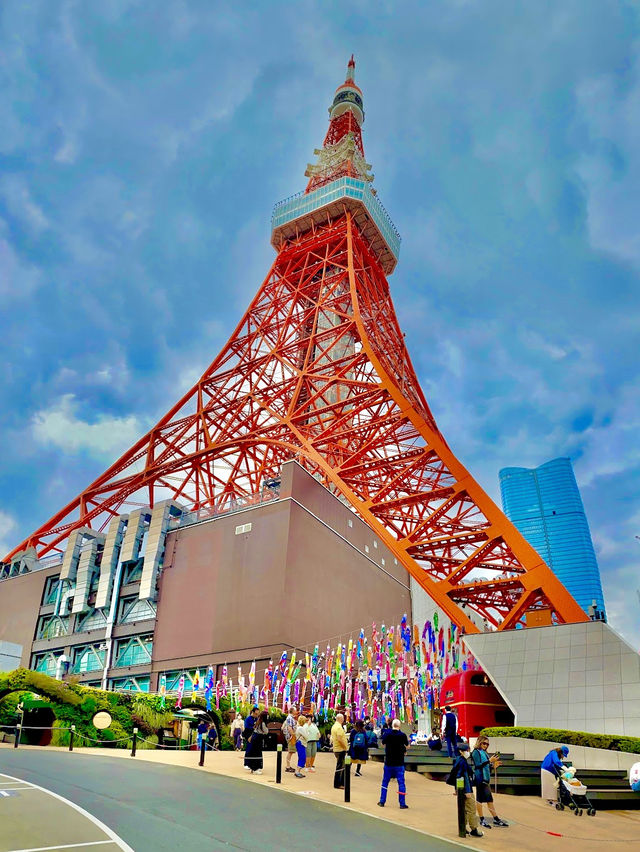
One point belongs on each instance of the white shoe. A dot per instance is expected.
(247, 768)
(258, 771)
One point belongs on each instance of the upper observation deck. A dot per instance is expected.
(297, 214)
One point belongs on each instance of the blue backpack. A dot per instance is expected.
(359, 741)
(372, 739)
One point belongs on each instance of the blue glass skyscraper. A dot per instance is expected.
(544, 503)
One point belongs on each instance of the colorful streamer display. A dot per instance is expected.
(396, 672)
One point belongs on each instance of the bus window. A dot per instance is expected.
(480, 679)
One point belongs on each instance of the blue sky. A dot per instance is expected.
(143, 144)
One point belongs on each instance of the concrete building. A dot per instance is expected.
(291, 569)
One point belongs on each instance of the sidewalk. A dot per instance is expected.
(535, 826)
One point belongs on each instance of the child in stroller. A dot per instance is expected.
(572, 793)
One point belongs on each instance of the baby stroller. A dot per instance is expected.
(573, 795)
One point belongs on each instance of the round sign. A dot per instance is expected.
(101, 720)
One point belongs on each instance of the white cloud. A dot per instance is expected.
(60, 426)
(610, 167)
(21, 204)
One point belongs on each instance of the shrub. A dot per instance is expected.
(60, 734)
(612, 742)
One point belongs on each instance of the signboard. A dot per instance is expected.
(101, 720)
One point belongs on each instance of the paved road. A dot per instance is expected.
(155, 807)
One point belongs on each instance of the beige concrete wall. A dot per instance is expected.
(580, 756)
(20, 599)
(576, 677)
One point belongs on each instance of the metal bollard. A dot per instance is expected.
(279, 763)
(72, 733)
(347, 779)
(203, 748)
(16, 740)
(134, 742)
(462, 820)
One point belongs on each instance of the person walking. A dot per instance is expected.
(550, 771)
(253, 756)
(395, 744)
(212, 736)
(301, 745)
(461, 769)
(289, 733)
(450, 730)
(203, 727)
(237, 727)
(313, 736)
(482, 765)
(358, 750)
(340, 747)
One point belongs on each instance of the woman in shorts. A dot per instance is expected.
(482, 764)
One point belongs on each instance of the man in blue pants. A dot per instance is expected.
(450, 730)
(395, 745)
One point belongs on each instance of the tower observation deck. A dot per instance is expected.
(340, 181)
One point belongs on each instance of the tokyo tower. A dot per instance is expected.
(317, 371)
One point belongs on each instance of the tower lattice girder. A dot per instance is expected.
(317, 371)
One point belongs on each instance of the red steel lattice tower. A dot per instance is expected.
(317, 370)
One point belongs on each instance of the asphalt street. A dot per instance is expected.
(156, 807)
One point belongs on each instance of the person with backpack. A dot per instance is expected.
(358, 751)
(372, 737)
(395, 744)
(482, 764)
(289, 733)
(450, 731)
(462, 769)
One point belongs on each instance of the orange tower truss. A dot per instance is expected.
(317, 370)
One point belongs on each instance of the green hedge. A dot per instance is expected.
(612, 742)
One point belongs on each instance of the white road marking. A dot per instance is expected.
(105, 828)
(69, 846)
(21, 789)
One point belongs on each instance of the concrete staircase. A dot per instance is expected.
(608, 788)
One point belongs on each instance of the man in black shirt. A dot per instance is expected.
(395, 744)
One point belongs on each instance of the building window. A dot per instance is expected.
(173, 680)
(47, 662)
(92, 620)
(88, 658)
(133, 609)
(140, 683)
(51, 590)
(135, 651)
(132, 571)
(52, 626)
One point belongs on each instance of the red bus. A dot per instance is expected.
(476, 701)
